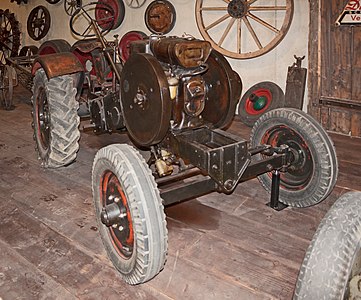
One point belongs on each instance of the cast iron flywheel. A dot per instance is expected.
(146, 99)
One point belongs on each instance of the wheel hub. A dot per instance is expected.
(115, 215)
(237, 8)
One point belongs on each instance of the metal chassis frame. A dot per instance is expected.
(231, 151)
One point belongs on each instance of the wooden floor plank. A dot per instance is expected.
(220, 246)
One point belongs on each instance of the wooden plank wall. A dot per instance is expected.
(334, 69)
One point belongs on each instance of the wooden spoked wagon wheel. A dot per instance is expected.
(244, 28)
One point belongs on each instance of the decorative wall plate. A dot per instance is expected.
(160, 16)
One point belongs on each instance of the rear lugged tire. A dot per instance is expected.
(331, 269)
(55, 119)
(313, 174)
(129, 212)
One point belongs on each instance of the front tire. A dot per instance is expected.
(313, 174)
(332, 266)
(55, 119)
(129, 212)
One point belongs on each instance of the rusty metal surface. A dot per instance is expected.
(86, 46)
(160, 16)
(187, 53)
(296, 84)
(224, 88)
(223, 156)
(145, 99)
(58, 64)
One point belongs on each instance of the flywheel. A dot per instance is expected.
(224, 87)
(145, 99)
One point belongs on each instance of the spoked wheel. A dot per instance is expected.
(313, 172)
(260, 98)
(135, 3)
(244, 28)
(107, 19)
(70, 6)
(9, 35)
(129, 212)
(7, 86)
(332, 266)
(98, 13)
(38, 23)
(55, 119)
(28, 51)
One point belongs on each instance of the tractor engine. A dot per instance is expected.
(174, 84)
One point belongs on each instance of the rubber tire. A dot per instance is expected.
(146, 209)
(278, 101)
(329, 259)
(320, 145)
(54, 46)
(64, 120)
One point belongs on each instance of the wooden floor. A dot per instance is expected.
(220, 246)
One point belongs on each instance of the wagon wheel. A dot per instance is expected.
(160, 16)
(244, 29)
(106, 19)
(104, 14)
(38, 23)
(7, 86)
(70, 6)
(9, 35)
(135, 3)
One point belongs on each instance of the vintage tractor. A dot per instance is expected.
(173, 97)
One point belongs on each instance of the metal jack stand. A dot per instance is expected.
(275, 191)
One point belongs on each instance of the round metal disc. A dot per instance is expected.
(224, 88)
(145, 99)
(107, 18)
(160, 16)
(125, 41)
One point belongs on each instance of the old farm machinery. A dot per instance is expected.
(173, 96)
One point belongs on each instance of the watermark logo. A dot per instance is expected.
(351, 14)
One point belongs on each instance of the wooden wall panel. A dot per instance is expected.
(334, 69)
(336, 53)
(356, 63)
(340, 120)
(355, 124)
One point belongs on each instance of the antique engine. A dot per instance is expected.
(172, 83)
